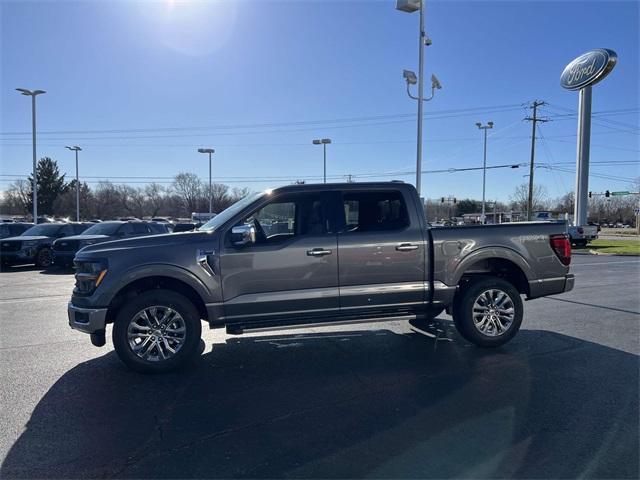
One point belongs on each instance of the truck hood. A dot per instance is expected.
(27, 238)
(87, 237)
(162, 243)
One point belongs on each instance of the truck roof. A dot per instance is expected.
(342, 186)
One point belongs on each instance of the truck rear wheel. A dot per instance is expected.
(158, 331)
(488, 312)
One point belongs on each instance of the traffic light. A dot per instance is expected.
(589, 194)
(454, 200)
(442, 200)
(607, 194)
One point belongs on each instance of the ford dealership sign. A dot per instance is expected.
(588, 68)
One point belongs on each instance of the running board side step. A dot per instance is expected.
(240, 329)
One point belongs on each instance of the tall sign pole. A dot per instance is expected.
(582, 157)
(581, 74)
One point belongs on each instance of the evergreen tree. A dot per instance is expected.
(50, 185)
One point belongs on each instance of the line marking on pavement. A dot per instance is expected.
(593, 305)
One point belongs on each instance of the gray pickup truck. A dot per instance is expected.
(312, 254)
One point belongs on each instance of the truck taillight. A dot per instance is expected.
(562, 246)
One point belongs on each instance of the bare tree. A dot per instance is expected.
(189, 189)
(132, 200)
(155, 198)
(15, 200)
(106, 203)
(520, 197)
(65, 204)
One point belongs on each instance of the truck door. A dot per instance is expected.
(292, 269)
(381, 251)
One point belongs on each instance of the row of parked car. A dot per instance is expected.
(48, 244)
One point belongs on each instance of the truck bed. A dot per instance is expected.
(457, 251)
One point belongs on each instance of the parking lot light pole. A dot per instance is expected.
(209, 151)
(484, 165)
(323, 142)
(76, 149)
(33, 94)
(410, 6)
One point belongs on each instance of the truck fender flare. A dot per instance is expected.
(158, 270)
(487, 253)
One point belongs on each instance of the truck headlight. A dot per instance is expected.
(89, 275)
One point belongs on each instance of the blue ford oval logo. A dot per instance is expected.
(588, 69)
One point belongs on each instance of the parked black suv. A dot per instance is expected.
(66, 248)
(185, 227)
(34, 245)
(11, 229)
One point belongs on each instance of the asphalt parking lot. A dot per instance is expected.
(392, 400)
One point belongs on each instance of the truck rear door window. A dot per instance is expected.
(375, 211)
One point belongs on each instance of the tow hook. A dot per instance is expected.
(98, 338)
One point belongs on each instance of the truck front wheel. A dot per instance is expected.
(156, 332)
(488, 312)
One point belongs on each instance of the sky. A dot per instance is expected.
(141, 85)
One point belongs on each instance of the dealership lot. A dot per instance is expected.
(388, 400)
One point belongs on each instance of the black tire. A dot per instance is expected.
(164, 299)
(463, 312)
(44, 258)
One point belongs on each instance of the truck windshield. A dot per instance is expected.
(45, 230)
(102, 229)
(228, 213)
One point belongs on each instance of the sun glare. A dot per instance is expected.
(191, 27)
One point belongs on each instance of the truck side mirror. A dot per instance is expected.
(243, 235)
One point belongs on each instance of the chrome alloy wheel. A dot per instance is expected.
(156, 333)
(493, 312)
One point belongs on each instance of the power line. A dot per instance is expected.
(610, 124)
(253, 179)
(409, 116)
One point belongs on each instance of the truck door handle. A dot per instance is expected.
(406, 247)
(318, 252)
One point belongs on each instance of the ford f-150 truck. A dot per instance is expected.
(312, 254)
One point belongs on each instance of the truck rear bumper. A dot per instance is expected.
(551, 286)
(87, 320)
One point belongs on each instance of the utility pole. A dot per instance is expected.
(534, 119)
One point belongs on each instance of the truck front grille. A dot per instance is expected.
(10, 246)
(65, 246)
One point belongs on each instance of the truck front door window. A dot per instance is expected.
(285, 219)
(274, 222)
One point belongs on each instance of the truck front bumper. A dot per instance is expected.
(26, 255)
(87, 320)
